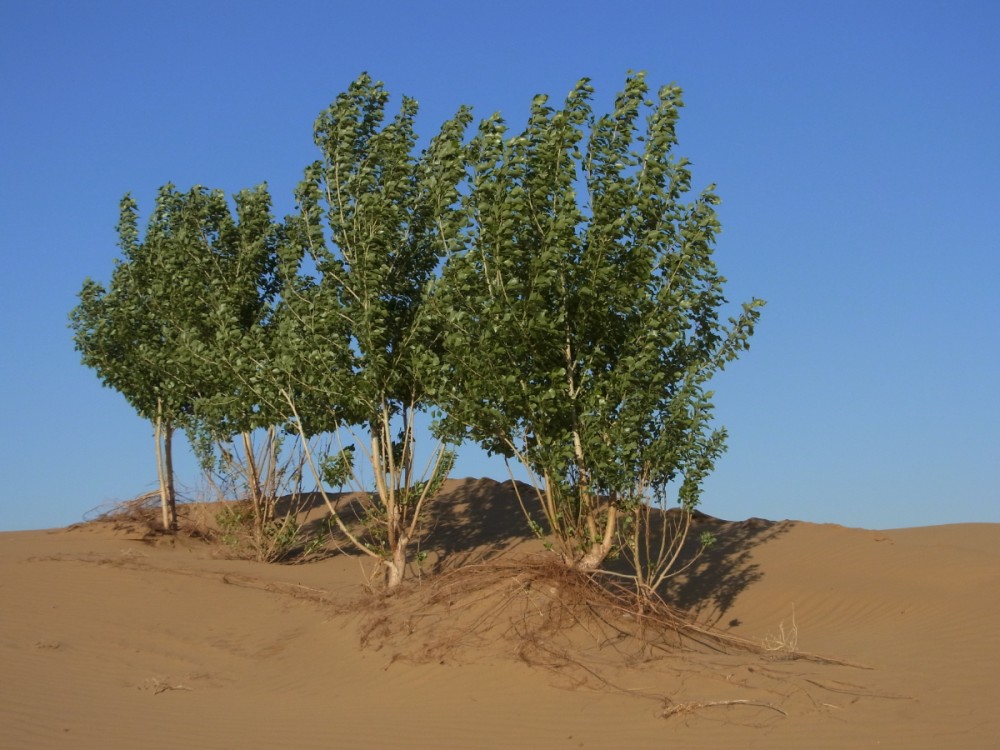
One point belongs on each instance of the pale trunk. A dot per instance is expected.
(600, 549)
(383, 464)
(396, 568)
(162, 435)
(253, 483)
(161, 477)
(253, 473)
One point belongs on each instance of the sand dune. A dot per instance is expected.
(107, 641)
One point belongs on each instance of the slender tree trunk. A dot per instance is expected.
(380, 462)
(170, 508)
(271, 487)
(253, 481)
(160, 472)
(382, 465)
(163, 436)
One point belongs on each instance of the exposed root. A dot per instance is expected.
(140, 517)
(538, 608)
(690, 707)
(858, 691)
(157, 685)
(140, 514)
(585, 631)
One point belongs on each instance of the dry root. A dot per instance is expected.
(545, 613)
(139, 515)
(675, 709)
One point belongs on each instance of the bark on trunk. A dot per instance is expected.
(160, 476)
(163, 436)
(592, 560)
(170, 510)
(396, 568)
(599, 550)
(253, 476)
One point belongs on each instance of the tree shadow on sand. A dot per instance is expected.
(475, 519)
(713, 580)
(469, 520)
(472, 520)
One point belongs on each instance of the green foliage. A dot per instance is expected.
(182, 327)
(582, 324)
(355, 347)
(198, 284)
(271, 541)
(338, 468)
(374, 222)
(552, 294)
(118, 333)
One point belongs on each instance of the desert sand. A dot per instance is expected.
(112, 639)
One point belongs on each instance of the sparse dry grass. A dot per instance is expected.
(783, 642)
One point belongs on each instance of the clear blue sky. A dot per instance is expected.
(854, 144)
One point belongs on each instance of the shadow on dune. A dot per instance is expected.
(475, 519)
(710, 586)
(470, 519)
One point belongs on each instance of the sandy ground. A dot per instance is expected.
(109, 641)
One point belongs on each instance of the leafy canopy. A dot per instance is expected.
(583, 320)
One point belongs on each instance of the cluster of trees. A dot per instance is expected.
(550, 295)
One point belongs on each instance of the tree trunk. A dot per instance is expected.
(592, 559)
(252, 472)
(163, 436)
(161, 478)
(599, 550)
(271, 488)
(170, 510)
(396, 568)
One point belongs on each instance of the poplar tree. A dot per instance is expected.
(357, 346)
(185, 299)
(120, 333)
(224, 264)
(582, 323)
